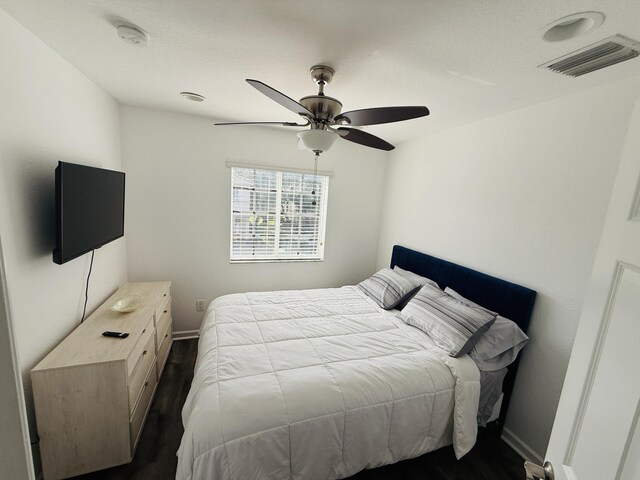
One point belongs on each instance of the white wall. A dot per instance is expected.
(178, 208)
(521, 196)
(50, 112)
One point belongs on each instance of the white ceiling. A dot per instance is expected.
(464, 59)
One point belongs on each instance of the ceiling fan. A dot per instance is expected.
(322, 115)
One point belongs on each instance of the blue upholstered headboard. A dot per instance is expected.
(510, 300)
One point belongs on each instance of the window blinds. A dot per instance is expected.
(277, 215)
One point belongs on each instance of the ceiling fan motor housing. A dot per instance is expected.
(323, 108)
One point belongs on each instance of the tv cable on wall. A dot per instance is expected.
(86, 291)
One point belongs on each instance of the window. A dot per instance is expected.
(277, 216)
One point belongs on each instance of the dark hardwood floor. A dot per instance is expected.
(490, 459)
(155, 459)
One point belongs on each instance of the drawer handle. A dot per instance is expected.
(166, 335)
(146, 384)
(144, 353)
(164, 295)
(165, 311)
(144, 330)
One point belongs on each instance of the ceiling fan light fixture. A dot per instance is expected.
(317, 140)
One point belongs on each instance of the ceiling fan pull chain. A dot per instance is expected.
(315, 176)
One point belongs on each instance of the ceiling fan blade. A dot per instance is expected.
(364, 138)
(284, 124)
(280, 98)
(376, 116)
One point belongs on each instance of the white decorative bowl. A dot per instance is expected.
(127, 304)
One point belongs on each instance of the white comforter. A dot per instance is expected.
(318, 384)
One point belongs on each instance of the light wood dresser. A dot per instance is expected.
(92, 393)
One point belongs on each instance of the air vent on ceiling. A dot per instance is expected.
(603, 54)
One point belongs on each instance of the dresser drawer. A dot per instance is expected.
(163, 348)
(136, 353)
(162, 323)
(137, 379)
(164, 304)
(140, 412)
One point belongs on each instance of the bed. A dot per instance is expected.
(324, 383)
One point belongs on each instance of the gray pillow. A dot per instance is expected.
(416, 279)
(500, 345)
(453, 325)
(387, 288)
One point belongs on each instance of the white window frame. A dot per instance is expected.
(275, 256)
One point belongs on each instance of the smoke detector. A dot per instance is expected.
(132, 34)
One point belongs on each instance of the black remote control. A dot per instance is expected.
(115, 334)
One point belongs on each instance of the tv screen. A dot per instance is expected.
(89, 209)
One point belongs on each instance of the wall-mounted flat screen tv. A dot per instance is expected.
(89, 209)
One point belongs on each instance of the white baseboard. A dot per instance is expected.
(186, 334)
(521, 448)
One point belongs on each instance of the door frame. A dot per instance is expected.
(15, 448)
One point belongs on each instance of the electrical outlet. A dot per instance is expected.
(199, 305)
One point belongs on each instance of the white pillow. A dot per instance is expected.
(499, 346)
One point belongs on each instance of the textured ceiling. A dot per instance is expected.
(464, 59)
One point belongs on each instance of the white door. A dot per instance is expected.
(595, 434)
